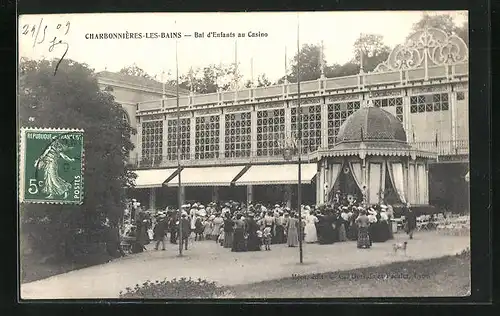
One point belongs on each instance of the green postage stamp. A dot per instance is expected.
(51, 166)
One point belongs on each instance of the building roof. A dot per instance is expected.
(136, 80)
(371, 125)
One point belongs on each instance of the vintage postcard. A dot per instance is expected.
(244, 155)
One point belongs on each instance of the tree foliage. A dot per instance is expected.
(136, 71)
(310, 57)
(72, 99)
(373, 50)
(262, 81)
(209, 79)
(443, 22)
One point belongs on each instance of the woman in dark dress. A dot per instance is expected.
(253, 242)
(352, 232)
(239, 235)
(327, 232)
(279, 236)
(228, 231)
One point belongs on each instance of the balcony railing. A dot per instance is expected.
(316, 87)
(165, 162)
(445, 148)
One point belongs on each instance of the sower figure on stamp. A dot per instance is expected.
(48, 164)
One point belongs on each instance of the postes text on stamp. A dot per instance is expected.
(51, 166)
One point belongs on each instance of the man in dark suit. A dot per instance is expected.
(411, 220)
(185, 230)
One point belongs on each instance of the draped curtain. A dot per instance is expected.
(333, 174)
(375, 185)
(422, 184)
(397, 179)
(411, 184)
(356, 173)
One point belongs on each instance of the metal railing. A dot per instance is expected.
(221, 159)
(444, 148)
(316, 87)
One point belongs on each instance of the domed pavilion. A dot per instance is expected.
(372, 160)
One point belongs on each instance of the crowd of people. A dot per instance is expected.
(240, 227)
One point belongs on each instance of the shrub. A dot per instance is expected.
(182, 288)
(464, 254)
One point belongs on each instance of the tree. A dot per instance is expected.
(209, 79)
(262, 81)
(463, 32)
(373, 49)
(72, 99)
(310, 57)
(440, 21)
(443, 22)
(136, 71)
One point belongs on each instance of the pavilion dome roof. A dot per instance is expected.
(371, 125)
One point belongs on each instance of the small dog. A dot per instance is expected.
(400, 246)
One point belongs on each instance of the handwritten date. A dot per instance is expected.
(54, 34)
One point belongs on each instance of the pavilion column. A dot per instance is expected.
(249, 194)
(222, 133)
(364, 178)
(192, 137)
(288, 195)
(426, 201)
(253, 129)
(320, 182)
(152, 198)
(324, 123)
(215, 194)
(183, 194)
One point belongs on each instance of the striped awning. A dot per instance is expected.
(277, 174)
(152, 178)
(206, 176)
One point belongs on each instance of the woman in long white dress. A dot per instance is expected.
(311, 235)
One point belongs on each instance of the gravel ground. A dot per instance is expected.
(209, 261)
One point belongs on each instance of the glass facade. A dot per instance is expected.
(207, 137)
(270, 132)
(429, 103)
(152, 141)
(238, 135)
(391, 102)
(337, 114)
(311, 127)
(185, 138)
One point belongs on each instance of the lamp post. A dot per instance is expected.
(299, 143)
(179, 192)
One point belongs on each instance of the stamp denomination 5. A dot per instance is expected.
(51, 168)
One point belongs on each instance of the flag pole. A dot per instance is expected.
(299, 136)
(361, 70)
(251, 70)
(286, 68)
(179, 197)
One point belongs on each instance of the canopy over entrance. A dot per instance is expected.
(206, 176)
(277, 174)
(153, 178)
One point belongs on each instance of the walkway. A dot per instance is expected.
(207, 260)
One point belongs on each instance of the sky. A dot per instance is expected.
(337, 30)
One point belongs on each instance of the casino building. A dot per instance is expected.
(410, 112)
